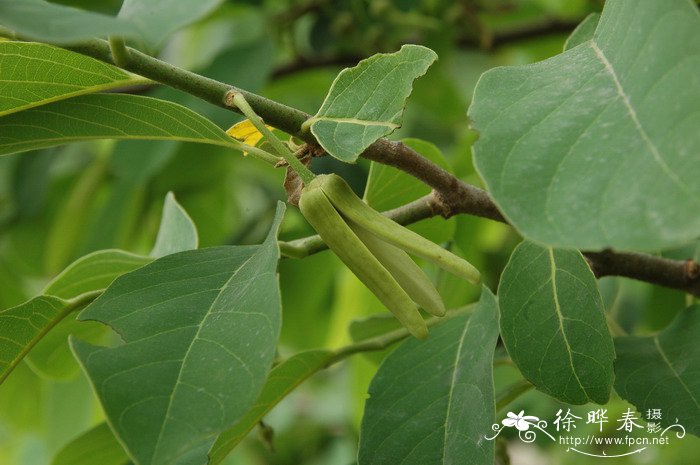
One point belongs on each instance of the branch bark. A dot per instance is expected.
(451, 196)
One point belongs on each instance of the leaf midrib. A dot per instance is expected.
(452, 384)
(560, 318)
(655, 154)
(178, 381)
(673, 370)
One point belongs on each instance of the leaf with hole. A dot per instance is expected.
(590, 148)
(553, 324)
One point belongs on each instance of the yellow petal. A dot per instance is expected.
(245, 132)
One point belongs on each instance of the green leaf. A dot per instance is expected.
(45, 21)
(93, 272)
(177, 230)
(97, 445)
(366, 102)
(38, 329)
(21, 327)
(432, 401)
(663, 371)
(156, 19)
(33, 74)
(553, 324)
(282, 380)
(105, 116)
(583, 32)
(597, 147)
(388, 187)
(199, 329)
(52, 357)
(371, 326)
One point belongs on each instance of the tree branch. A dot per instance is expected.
(683, 275)
(451, 196)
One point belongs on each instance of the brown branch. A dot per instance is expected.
(543, 28)
(451, 195)
(303, 63)
(683, 275)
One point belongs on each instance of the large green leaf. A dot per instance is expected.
(156, 19)
(388, 187)
(366, 102)
(33, 74)
(597, 147)
(97, 445)
(47, 21)
(105, 116)
(432, 401)
(200, 330)
(282, 380)
(553, 325)
(663, 371)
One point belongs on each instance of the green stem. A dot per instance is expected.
(71, 305)
(120, 54)
(512, 392)
(385, 340)
(237, 99)
(259, 153)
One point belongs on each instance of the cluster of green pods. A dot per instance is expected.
(376, 250)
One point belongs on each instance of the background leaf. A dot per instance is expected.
(553, 324)
(156, 19)
(33, 74)
(596, 147)
(583, 32)
(177, 230)
(38, 19)
(366, 102)
(105, 116)
(663, 371)
(200, 329)
(22, 326)
(282, 380)
(97, 445)
(93, 272)
(432, 401)
(38, 329)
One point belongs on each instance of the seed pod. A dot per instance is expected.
(352, 207)
(333, 229)
(406, 272)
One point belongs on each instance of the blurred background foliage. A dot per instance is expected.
(59, 204)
